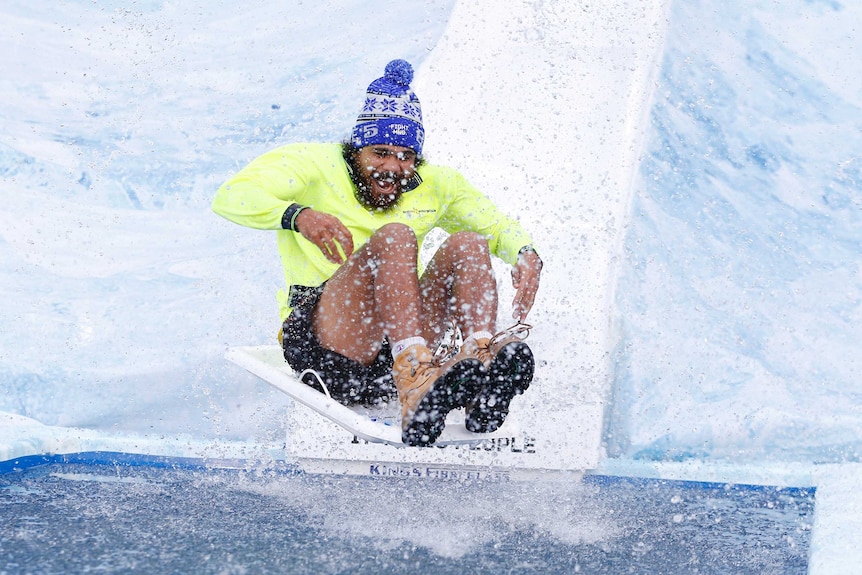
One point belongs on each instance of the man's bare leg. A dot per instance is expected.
(459, 287)
(375, 294)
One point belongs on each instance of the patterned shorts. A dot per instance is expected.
(348, 382)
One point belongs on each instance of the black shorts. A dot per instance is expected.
(348, 382)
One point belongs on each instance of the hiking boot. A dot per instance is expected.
(509, 364)
(428, 391)
(472, 351)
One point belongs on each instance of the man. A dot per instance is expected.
(359, 320)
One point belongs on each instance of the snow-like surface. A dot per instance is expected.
(739, 293)
(122, 288)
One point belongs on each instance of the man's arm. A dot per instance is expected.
(326, 232)
(469, 209)
(259, 194)
(525, 279)
(266, 194)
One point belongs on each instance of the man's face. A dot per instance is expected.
(383, 171)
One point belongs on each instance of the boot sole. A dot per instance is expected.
(462, 380)
(510, 374)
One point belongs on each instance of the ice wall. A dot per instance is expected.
(738, 306)
(121, 289)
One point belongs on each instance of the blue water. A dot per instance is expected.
(77, 518)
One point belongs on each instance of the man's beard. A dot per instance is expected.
(362, 189)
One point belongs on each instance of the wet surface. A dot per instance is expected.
(74, 518)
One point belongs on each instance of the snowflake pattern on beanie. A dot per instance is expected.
(392, 113)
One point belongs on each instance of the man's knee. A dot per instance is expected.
(394, 236)
(468, 243)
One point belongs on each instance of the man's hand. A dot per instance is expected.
(525, 279)
(327, 233)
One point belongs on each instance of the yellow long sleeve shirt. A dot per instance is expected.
(316, 175)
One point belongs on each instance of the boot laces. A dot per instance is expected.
(419, 368)
(447, 349)
(519, 330)
(449, 346)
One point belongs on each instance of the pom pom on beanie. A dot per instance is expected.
(399, 71)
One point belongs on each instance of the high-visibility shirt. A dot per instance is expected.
(317, 176)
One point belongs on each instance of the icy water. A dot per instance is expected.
(75, 518)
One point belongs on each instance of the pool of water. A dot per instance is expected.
(112, 518)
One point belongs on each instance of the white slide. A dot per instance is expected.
(544, 110)
(375, 425)
(544, 106)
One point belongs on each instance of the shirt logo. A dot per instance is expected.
(415, 213)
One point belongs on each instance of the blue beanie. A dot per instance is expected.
(391, 114)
